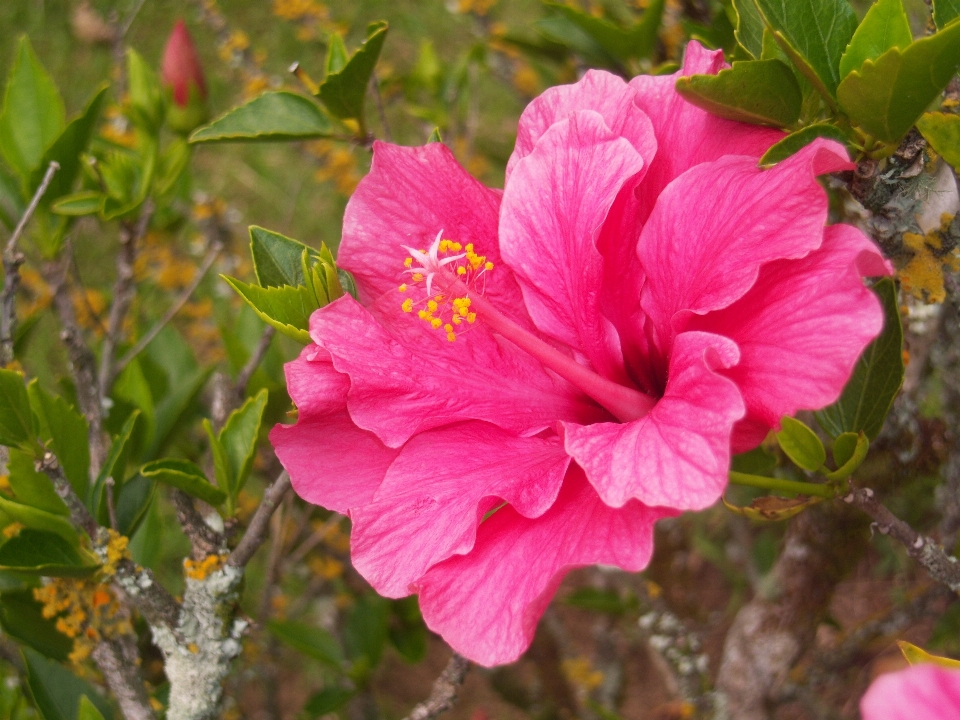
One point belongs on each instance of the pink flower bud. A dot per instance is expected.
(181, 68)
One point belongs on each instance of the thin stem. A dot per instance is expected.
(785, 486)
(254, 362)
(12, 260)
(444, 693)
(172, 311)
(259, 525)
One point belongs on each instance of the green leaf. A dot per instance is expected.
(749, 30)
(755, 462)
(87, 710)
(885, 26)
(793, 142)
(849, 452)
(239, 439)
(762, 92)
(622, 44)
(286, 308)
(22, 618)
(560, 32)
(221, 464)
(39, 519)
(277, 115)
(86, 202)
(876, 379)
(133, 502)
(944, 11)
(888, 95)
(343, 92)
(818, 31)
(916, 656)
(277, 258)
(33, 115)
(337, 55)
(597, 600)
(11, 199)
(38, 552)
(328, 700)
(942, 131)
(146, 95)
(113, 466)
(68, 433)
(184, 475)
(31, 487)
(312, 641)
(801, 444)
(407, 632)
(366, 629)
(434, 136)
(56, 691)
(67, 149)
(16, 419)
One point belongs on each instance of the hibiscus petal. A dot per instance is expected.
(801, 328)
(687, 135)
(552, 211)
(486, 604)
(406, 378)
(923, 691)
(597, 90)
(678, 455)
(331, 461)
(429, 505)
(715, 225)
(411, 194)
(314, 385)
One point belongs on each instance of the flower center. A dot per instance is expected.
(454, 277)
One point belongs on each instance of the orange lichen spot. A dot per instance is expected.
(202, 569)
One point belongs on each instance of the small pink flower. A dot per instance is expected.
(573, 358)
(921, 692)
(181, 70)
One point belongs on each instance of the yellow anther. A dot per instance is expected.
(423, 251)
(417, 277)
(461, 271)
(462, 311)
(471, 317)
(423, 315)
(407, 305)
(403, 287)
(457, 319)
(435, 323)
(451, 336)
(469, 248)
(448, 327)
(408, 262)
(456, 247)
(432, 305)
(488, 266)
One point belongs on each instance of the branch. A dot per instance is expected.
(942, 567)
(124, 291)
(123, 679)
(259, 525)
(214, 250)
(444, 693)
(12, 260)
(254, 362)
(79, 515)
(204, 540)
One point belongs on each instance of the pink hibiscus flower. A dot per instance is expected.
(921, 692)
(569, 360)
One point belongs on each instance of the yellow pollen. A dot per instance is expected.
(451, 336)
(403, 287)
(408, 262)
(469, 247)
(457, 319)
(462, 311)
(432, 305)
(417, 277)
(457, 247)
(471, 318)
(461, 271)
(488, 266)
(407, 305)
(423, 315)
(435, 323)
(448, 327)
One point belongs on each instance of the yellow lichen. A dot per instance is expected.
(202, 569)
(922, 276)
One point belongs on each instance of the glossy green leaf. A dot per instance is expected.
(876, 379)
(754, 462)
(337, 55)
(762, 92)
(818, 31)
(885, 26)
(795, 141)
(39, 519)
(434, 136)
(559, 32)
(286, 308)
(849, 452)
(67, 149)
(312, 641)
(945, 11)
(33, 114)
(184, 475)
(56, 691)
(327, 701)
(68, 433)
(277, 115)
(38, 552)
(16, 418)
(407, 633)
(221, 463)
(22, 618)
(31, 487)
(239, 439)
(749, 30)
(85, 202)
(172, 164)
(620, 43)
(87, 710)
(343, 92)
(942, 131)
(146, 95)
(917, 656)
(888, 95)
(801, 444)
(607, 601)
(133, 503)
(277, 258)
(11, 198)
(366, 629)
